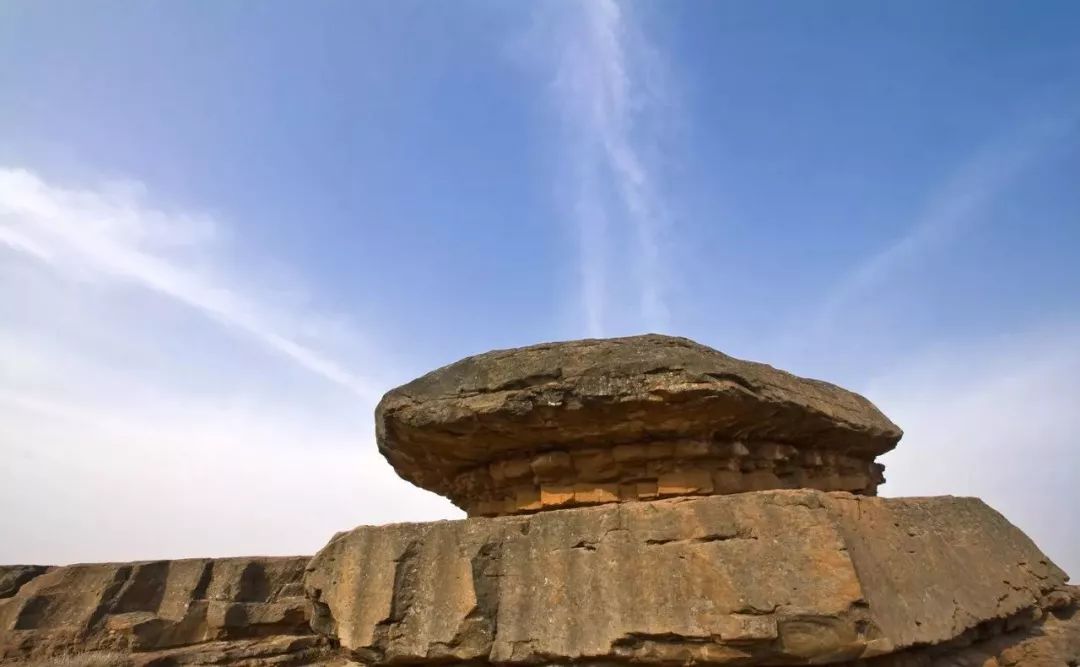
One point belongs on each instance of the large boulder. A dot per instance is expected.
(775, 577)
(636, 418)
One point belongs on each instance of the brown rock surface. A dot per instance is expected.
(720, 531)
(776, 577)
(197, 611)
(12, 577)
(1049, 639)
(595, 421)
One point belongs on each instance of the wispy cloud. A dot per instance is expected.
(957, 206)
(605, 82)
(147, 390)
(111, 233)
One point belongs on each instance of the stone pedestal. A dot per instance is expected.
(773, 577)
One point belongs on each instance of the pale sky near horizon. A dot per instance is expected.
(227, 228)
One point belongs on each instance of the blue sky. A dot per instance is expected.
(227, 228)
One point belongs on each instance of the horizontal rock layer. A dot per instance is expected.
(558, 479)
(197, 611)
(775, 577)
(600, 394)
(795, 577)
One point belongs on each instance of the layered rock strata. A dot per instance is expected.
(769, 578)
(242, 611)
(596, 421)
(557, 479)
(644, 501)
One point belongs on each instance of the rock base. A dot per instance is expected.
(770, 578)
(764, 578)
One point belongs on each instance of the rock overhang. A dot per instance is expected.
(605, 420)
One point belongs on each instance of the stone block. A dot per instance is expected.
(511, 470)
(761, 480)
(588, 494)
(731, 448)
(595, 465)
(526, 498)
(552, 467)
(767, 578)
(692, 449)
(647, 490)
(556, 495)
(685, 482)
(728, 481)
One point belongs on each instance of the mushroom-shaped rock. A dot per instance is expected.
(593, 421)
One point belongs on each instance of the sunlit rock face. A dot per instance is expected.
(765, 578)
(596, 421)
(193, 611)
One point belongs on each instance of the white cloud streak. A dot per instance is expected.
(112, 233)
(134, 430)
(954, 208)
(604, 94)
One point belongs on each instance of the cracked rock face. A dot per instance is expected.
(596, 421)
(704, 511)
(198, 611)
(776, 577)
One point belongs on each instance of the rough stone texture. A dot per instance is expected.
(199, 611)
(12, 577)
(1046, 638)
(776, 577)
(492, 431)
(731, 521)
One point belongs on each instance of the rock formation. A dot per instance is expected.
(596, 421)
(196, 611)
(636, 501)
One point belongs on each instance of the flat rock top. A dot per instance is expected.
(603, 392)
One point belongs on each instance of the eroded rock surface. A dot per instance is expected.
(595, 421)
(198, 611)
(776, 577)
(702, 510)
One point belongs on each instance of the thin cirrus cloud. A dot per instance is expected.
(129, 424)
(955, 207)
(112, 233)
(604, 84)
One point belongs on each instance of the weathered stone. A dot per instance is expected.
(742, 574)
(610, 402)
(178, 607)
(685, 483)
(12, 577)
(777, 577)
(1027, 639)
(590, 494)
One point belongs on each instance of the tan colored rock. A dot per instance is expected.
(776, 577)
(12, 577)
(685, 483)
(592, 410)
(1045, 638)
(252, 609)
